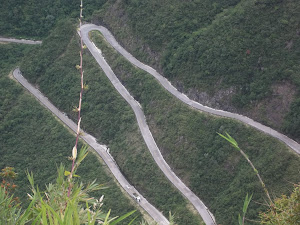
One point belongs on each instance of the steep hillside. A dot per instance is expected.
(33, 140)
(236, 55)
(35, 19)
(240, 56)
(104, 114)
(189, 142)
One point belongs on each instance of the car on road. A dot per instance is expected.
(136, 197)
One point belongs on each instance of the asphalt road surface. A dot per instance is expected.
(22, 41)
(167, 85)
(100, 149)
(148, 138)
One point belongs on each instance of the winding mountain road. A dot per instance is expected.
(182, 97)
(100, 149)
(150, 142)
(206, 215)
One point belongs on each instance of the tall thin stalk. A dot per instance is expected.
(235, 145)
(78, 109)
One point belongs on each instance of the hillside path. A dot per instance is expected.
(206, 215)
(182, 97)
(100, 149)
(22, 41)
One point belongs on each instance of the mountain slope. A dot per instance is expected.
(190, 144)
(33, 140)
(240, 56)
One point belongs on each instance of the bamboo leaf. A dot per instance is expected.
(44, 215)
(240, 220)
(57, 219)
(133, 220)
(230, 140)
(246, 203)
(106, 218)
(122, 217)
(24, 217)
(37, 218)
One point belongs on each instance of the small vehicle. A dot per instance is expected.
(136, 197)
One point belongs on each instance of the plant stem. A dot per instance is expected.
(80, 98)
(257, 174)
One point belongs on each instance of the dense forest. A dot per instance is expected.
(238, 55)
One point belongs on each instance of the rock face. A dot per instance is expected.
(270, 111)
(273, 109)
(221, 99)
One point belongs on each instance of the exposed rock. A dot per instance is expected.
(221, 99)
(272, 110)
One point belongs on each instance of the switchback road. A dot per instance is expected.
(202, 209)
(182, 97)
(148, 138)
(100, 149)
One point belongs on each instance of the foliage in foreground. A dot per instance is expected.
(284, 210)
(39, 143)
(56, 205)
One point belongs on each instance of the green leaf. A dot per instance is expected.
(67, 173)
(56, 216)
(246, 203)
(106, 218)
(240, 220)
(230, 140)
(122, 217)
(75, 214)
(44, 215)
(37, 218)
(133, 220)
(25, 215)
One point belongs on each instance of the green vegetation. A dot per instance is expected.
(205, 46)
(283, 210)
(32, 139)
(34, 18)
(105, 115)
(292, 123)
(190, 144)
(286, 209)
(65, 202)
